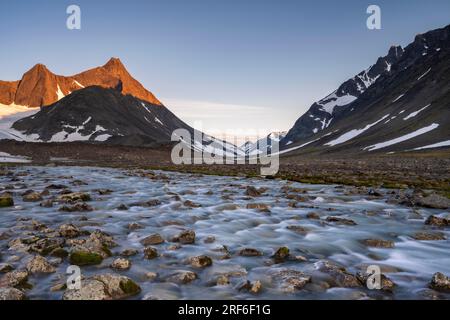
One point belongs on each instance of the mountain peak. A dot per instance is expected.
(395, 52)
(38, 69)
(114, 65)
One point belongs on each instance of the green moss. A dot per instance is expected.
(394, 185)
(59, 252)
(129, 287)
(281, 254)
(106, 250)
(6, 201)
(82, 258)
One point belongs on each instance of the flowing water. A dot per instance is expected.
(410, 264)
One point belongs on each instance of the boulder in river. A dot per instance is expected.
(437, 221)
(104, 287)
(252, 192)
(313, 216)
(440, 282)
(135, 226)
(182, 277)
(39, 264)
(129, 252)
(85, 258)
(291, 280)
(250, 252)
(338, 276)
(434, 201)
(17, 278)
(78, 207)
(298, 229)
(429, 236)
(378, 243)
(340, 220)
(185, 237)
(46, 245)
(222, 280)
(191, 204)
(281, 254)
(6, 267)
(6, 200)
(46, 203)
(201, 261)
(75, 197)
(150, 253)
(259, 206)
(386, 283)
(32, 197)
(11, 294)
(256, 287)
(69, 231)
(209, 239)
(121, 264)
(153, 239)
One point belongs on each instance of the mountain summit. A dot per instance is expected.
(40, 87)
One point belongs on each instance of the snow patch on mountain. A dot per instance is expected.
(330, 102)
(353, 133)
(402, 138)
(78, 84)
(59, 93)
(398, 98)
(10, 114)
(76, 135)
(304, 144)
(413, 114)
(435, 145)
(366, 79)
(423, 75)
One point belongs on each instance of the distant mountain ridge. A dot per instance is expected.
(263, 145)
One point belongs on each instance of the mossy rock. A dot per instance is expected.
(129, 287)
(6, 201)
(59, 252)
(106, 250)
(83, 258)
(281, 254)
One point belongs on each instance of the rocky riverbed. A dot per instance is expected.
(141, 234)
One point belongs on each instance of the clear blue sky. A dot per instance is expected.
(230, 63)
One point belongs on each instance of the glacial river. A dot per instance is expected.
(220, 210)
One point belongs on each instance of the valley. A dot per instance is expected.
(87, 179)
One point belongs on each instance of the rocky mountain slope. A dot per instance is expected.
(101, 114)
(40, 87)
(321, 114)
(406, 105)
